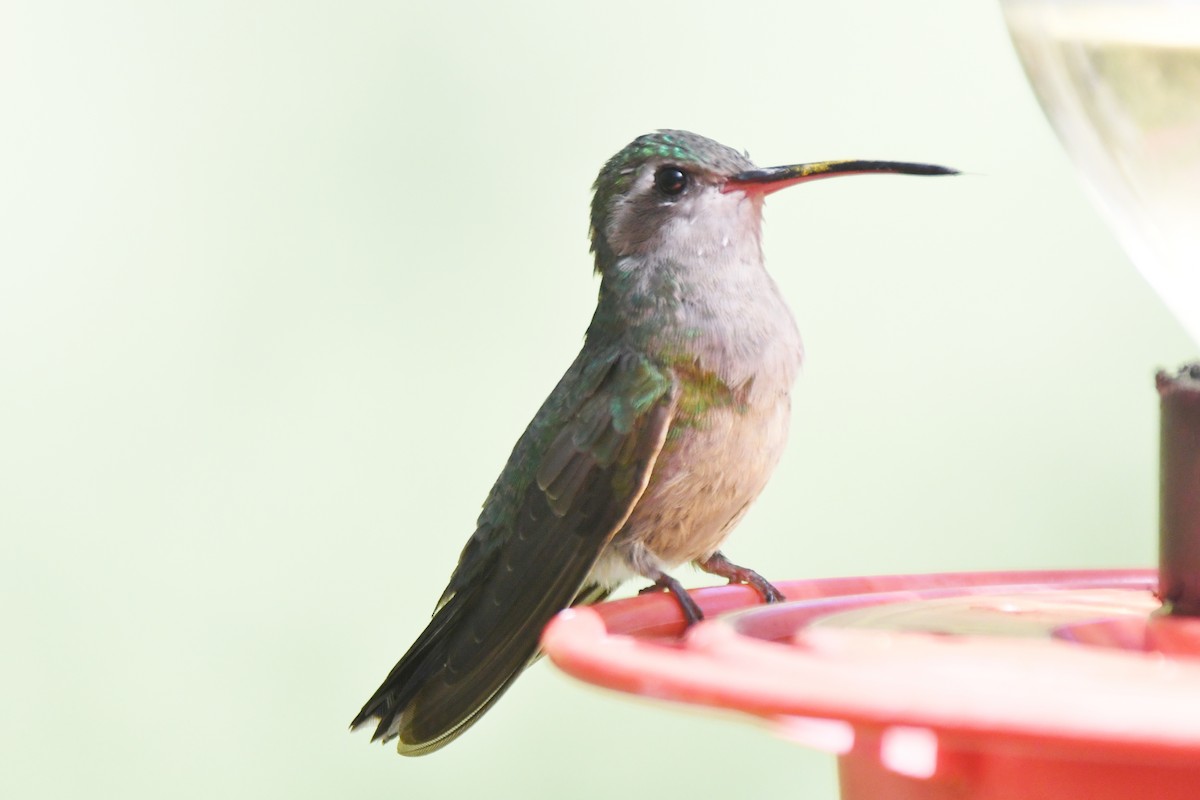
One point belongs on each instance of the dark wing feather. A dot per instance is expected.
(570, 484)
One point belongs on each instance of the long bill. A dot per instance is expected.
(772, 179)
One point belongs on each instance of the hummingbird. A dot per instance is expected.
(651, 447)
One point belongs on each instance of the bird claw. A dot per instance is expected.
(768, 591)
(718, 564)
(665, 583)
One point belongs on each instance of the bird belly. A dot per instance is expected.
(705, 479)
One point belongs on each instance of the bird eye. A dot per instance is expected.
(670, 180)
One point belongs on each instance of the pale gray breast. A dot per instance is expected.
(709, 473)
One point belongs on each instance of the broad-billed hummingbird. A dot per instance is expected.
(651, 447)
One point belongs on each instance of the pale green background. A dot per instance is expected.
(280, 284)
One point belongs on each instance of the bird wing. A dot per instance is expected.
(565, 492)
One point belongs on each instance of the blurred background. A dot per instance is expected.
(280, 285)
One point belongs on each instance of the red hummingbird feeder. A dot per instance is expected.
(1031, 685)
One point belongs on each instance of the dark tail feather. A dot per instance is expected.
(410, 673)
(481, 639)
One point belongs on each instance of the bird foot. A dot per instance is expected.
(665, 583)
(718, 564)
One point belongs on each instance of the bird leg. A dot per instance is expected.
(718, 564)
(664, 582)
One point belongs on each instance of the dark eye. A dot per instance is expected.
(670, 180)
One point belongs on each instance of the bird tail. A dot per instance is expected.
(434, 693)
(391, 703)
